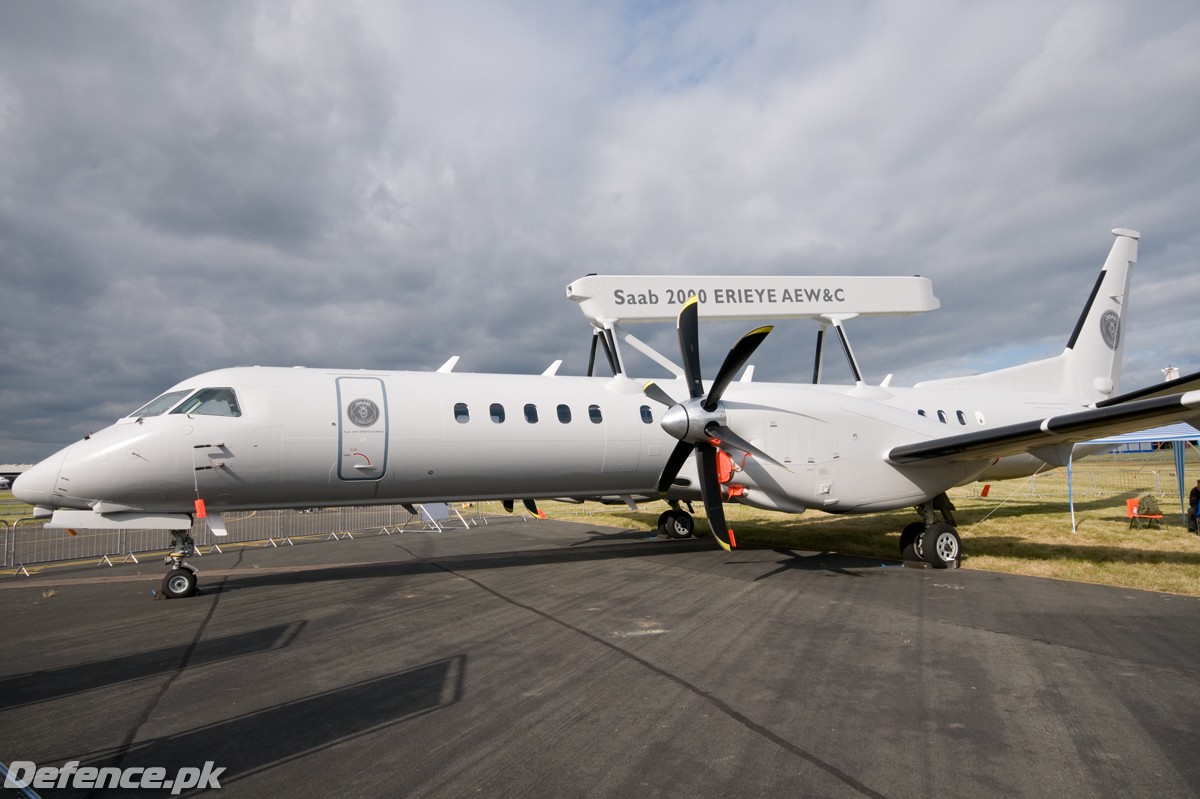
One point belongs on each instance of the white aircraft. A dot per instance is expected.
(254, 437)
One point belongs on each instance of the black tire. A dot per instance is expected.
(663, 519)
(680, 524)
(940, 546)
(179, 583)
(908, 538)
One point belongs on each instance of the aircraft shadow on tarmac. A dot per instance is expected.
(41, 686)
(847, 565)
(451, 563)
(622, 535)
(823, 561)
(303, 726)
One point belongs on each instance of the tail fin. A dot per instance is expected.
(1093, 355)
(1090, 366)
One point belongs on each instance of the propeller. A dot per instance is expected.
(699, 421)
(530, 506)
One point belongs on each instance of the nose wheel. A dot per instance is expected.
(180, 580)
(179, 583)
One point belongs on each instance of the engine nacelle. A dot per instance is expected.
(756, 498)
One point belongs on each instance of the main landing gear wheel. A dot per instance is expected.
(939, 546)
(676, 524)
(908, 540)
(179, 583)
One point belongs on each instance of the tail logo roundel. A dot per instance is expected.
(1110, 329)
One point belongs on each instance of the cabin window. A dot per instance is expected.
(962, 417)
(564, 414)
(531, 413)
(921, 412)
(647, 416)
(496, 412)
(594, 414)
(211, 402)
(161, 405)
(461, 414)
(942, 417)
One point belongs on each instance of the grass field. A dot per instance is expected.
(1022, 526)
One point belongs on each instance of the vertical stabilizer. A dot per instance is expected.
(1093, 354)
(1089, 369)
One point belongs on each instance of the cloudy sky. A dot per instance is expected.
(187, 186)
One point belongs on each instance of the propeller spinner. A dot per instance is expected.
(699, 421)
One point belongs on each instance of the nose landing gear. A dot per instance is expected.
(180, 580)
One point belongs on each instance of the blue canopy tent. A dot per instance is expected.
(1178, 432)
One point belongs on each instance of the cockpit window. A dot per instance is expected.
(211, 402)
(160, 405)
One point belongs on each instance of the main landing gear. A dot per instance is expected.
(930, 540)
(676, 522)
(180, 580)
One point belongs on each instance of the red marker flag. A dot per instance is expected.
(200, 511)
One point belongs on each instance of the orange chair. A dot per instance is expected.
(1131, 510)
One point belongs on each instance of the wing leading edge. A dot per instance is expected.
(1067, 428)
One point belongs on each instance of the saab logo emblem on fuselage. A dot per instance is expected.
(1110, 329)
(363, 412)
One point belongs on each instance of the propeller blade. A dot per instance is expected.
(724, 437)
(532, 507)
(734, 361)
(653, 391)
(688, 326)
(710, 488)
(679, 456)
(508, 504)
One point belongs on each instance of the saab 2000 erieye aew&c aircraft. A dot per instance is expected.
(256, 438)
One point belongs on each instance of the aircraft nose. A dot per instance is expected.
(36, 486)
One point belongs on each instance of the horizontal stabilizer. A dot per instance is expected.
(1067, 428)
(1177, 386)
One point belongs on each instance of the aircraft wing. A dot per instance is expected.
(1067, 428)
(1177, 386)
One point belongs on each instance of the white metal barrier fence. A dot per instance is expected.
(28, 542)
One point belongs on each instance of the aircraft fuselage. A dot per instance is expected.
(311, 437)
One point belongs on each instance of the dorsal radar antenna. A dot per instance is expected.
(610, 302)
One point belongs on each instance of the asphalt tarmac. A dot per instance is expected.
(558, 659)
